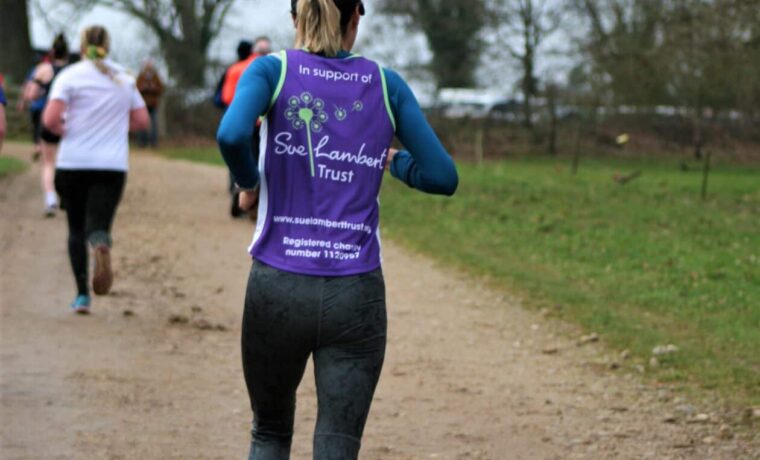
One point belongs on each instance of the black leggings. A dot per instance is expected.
(36, 117)
(90, 199)
(342, 322)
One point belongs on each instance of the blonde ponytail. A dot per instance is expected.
(96, 44)
(318, 27)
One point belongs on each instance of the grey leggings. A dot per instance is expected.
(341, 321)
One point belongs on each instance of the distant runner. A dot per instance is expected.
(152, 89)
(261, 47)
(35, 107)
(316, 287)
(3, 103)
(101, 104)
(36, 92)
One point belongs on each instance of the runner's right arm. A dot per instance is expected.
(139, 119)
(252, 98)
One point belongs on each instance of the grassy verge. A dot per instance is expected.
(10, 165)
(644, 264)
(198, 154)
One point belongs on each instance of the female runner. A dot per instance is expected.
(37, 91)
(316, 286)
(101, 104)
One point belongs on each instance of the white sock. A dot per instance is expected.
(51, 199)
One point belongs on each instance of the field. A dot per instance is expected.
(642, 265)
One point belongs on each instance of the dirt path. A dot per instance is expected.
(154, 372)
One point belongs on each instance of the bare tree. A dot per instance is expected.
(185, 29)
(452, 28)
(522, 27)
(623, 41)
(14, 35)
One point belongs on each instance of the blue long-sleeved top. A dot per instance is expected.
(425, 165)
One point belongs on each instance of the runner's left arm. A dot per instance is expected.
(425, 165)
(252, 98)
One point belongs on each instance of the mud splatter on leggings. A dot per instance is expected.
(341, 322)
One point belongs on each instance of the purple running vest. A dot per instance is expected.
(324, 145)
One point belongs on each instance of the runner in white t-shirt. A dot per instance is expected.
(93, 105)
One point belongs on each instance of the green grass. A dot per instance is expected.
(197, 154)
(10, 165)
(644, 264)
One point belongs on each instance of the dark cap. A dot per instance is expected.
(294, 6)
(244, 49)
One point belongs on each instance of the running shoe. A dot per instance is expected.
(50, 210)
(81, 305)
(103, 277)
(51, 204)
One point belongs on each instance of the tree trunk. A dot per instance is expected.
(186, 63)
(697, 135)
(479, 145)
(528, 88)
(577, 151)
(551, 96)
(17, 55)
(706, 174)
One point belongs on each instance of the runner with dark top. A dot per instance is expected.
(34, 106)
(316, 286)
(38, 91)
(244, 50)
(101, 105)
(3, 103)
(261, 47)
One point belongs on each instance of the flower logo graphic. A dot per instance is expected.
(307, 111)
(340, 113)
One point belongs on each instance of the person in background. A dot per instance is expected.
(101, 104)
(244, 50)
(3, 103)
(261, 47)
(151, 88)
(235, 71)
(37, 90)
(35, 106)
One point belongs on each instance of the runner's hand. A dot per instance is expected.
(391, 153)
(248, 199)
